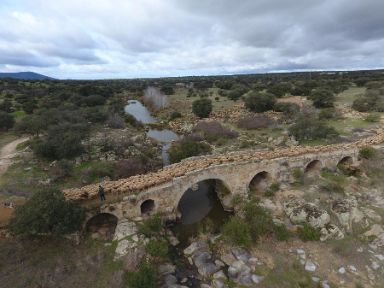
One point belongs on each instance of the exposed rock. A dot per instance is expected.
(347, 212)
(132, 258)
(341, 270)
(166, 268)
(257, 279)
(194, 247)
(241, 254)
(124, 229)
(310, 266)
(123, 247)
(331, 231)
(300, 212)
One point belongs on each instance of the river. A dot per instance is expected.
(164, 136)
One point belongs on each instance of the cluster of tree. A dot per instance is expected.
(372, 100)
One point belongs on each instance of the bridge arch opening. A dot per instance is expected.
(260, 182)
(206, 198)
(102, 226)
(313, 167)
(344, 162)
(147, 207)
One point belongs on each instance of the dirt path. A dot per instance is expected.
(7, 153)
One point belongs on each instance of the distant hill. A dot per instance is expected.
(25, 76)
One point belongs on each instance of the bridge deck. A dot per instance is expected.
(135, 184)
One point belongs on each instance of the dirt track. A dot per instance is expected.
(7, 153)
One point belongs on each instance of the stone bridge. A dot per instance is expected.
(161, 191)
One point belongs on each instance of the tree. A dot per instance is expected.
(63, 141)
(310, 128)
(6, 121)
(260, 102)
(202, 107)
(322, 98)
(47, 212)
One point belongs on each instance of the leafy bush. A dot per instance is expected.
(373, 117)
(186, 148)
(272, 189)
(47, 211)
(289, 109)
(115, 121)
(372, 100)
(237, 232)
(328, 113)
(258, 219)
(281, 232)
(202, 107)
(332, 187)
(174, 115)
(322, 98)
(130, 167)
(310, 128)
(308, 233)
(6, 121)
(99, 170)
(151, 226)
(213, 130)
(367, 152)
(62, 141)
(145, 277)
(157, 249)
(255, 122)
(260, 102)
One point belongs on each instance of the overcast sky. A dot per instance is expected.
(148, 38)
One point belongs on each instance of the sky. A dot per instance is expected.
(97, 39)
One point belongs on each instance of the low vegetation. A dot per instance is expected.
(47, 212)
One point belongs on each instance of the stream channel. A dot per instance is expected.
(199, 208)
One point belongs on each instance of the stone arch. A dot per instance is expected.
(345, 161)
(260, 182)
(147, 207)
(194, 199)
(102, 226)
(313, 167)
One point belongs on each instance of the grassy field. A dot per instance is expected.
(348, 96)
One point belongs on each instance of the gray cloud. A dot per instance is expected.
(104, 38)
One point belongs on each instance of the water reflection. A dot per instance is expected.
(199, 207)
(165, 136)
(140, 112)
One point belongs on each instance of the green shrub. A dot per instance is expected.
(373, 117)
(260, 102)
(272, 189)
(310, 128)
(174, 115)
(202, 107)
(322, 98)
(237, 232)
(151, 226)
(157, 249)
(145, 277)
(308, 233)
(332, 187)
(6, 121)
(47, 212)
(258, 219)
(281, 232)
(186, 148)
(367, 152)
(289, 109)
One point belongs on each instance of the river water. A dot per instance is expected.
(164, 136)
